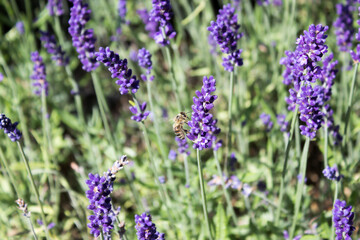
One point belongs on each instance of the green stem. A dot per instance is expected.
(332, 222)
(203, 195)
(231, 90)
(9, 173)
(32, 227)
(226, 194)
(287, 151)
(300, 186)
(45, 150)
(348, 112)
(34, 189)
(173, 80)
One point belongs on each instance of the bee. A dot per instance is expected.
(178, 125)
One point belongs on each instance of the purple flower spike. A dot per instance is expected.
(343, 220)
(161, 14)
(122, 8)
(39, 74)
(1, 77)
(83, 39)
(203, 129)
(266, 120)
(225, 31)
(344, 26)
(141, 115)
(144, 59)
(304, 67)
(183, 146)
(58, 55)
(118, 69)
(281, 122)
(332, 173)
(20, 27)
(150, 25)
(146, 229)
(55, 7)
(100, 187)
(10, 128)
(172, 155)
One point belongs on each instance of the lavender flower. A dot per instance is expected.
(144, 59)
(39, 74)
(233, 161)
(139, 114)
(303, 68)
(172, 155)
(343, 220)
(286, 236)
(225, 31)
(122, 8)
(104, 216)
(332, 173)
(150, 25)
(10, 128)
(344, 26)
(263, 2)
(20, 27)
(161, 13)
(246, 190)
(55, 7)
(281, 122)
(118, 69)
(266, 120)
(83, 39)
(1, 77)
(203, 129)
(356, 55)
(146, 229)
(183, 146)
(277, 3)
(212, 43)
(58, 55)
(232, 181)
(162, 179)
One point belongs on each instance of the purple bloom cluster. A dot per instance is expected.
(55, 7)
(282, 123)
(139, 114)
(118, 69)
(302, 70)
(356, 55)
(225, 31)
(58, 55)
(10, 128)
(144, 60)
(100, 187)
(332, 173)
(344, 26)
(203, 129)
(39, 74)
(161, 14)
(266, 120)
(122, 8)
(146, 229)
(1, 77)
(150, 25)
(232, 181)
(343, 220)
(183, 146)
(83, 39)
(172, 155)
(232, 162)
(20, 27)
(286, 236)
(263, 2)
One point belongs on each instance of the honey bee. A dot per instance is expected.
(178, 125)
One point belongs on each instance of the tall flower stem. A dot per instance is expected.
(32, 228)
(173, 80)
(101, 102)
(348, 111)
(287, 151)
(203, 195)
(9, 173)
(226, 194)
(231, 90)
(34, 188)
(335, 197)
(158, 136)
(300, 185)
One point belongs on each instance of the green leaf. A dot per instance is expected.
(221, 223)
